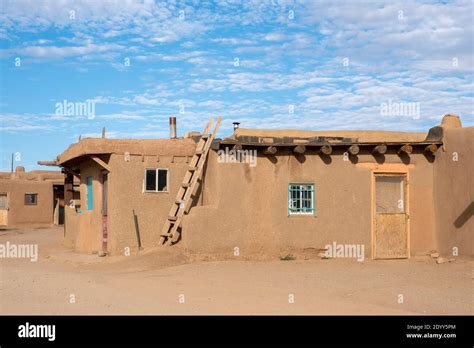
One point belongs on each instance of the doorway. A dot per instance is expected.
(104, 209)
(391, 217)
(3, 209)
(58, 204)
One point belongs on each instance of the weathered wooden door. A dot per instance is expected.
(105, 192)
(3, 209)
(391, 219)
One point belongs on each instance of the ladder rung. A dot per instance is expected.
(185, 184)
(192, 169)
(172, 218)
(179, 201)
(205, 136)
(199, 151)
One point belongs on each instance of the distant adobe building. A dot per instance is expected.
(273, 191)
(31, 198)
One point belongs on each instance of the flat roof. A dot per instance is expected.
(361, 136)
(35, 175)
(146, 147)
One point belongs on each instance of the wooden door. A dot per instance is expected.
(3, 209)
(391, 219)
(105, 189)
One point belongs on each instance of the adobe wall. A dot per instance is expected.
(83, 229)
(246, 207)
(21, 214)
(71, 226)
(126, 193)
(454, 192)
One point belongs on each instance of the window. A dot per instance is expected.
(31, 198)
(3, 201)
(390, 194)
(90, 194)
(301, 199)
(156, 180)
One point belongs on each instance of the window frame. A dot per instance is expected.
(312, 210)
(31, 193)
(157, 180)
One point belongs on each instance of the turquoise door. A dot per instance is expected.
(90, 197)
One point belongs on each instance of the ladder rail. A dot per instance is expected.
(182, 191)
(188, 187)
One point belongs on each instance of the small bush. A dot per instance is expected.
(288, 257)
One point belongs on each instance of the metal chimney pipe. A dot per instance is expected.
(173, 127)
(236, 125)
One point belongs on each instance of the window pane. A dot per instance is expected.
(301, 199)
(162, 180)
(150, 180)
(293, 195)
(30, 198)
(3, 201)
(390, 196)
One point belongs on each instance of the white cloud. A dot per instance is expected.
(274, 37)
(64, 51)
(122, 117)
(234, 41)
(15, 123)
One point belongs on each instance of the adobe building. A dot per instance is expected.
(31, 198)
(274, 191)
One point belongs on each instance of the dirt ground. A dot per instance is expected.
(170, 281)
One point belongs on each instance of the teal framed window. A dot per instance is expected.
(301, 199)
(90, 194)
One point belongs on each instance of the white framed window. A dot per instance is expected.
(156, 180)
(301, 199)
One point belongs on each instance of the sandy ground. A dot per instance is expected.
(155, 282)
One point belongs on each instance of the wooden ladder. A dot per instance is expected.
(169, 233)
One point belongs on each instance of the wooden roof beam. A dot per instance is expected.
(72, 172)
(300, 149)
(326, 149)
(271, 150)
(407, 148)
(380, 149)
(48, 163)
(432, 148)
(354, 149)
(99, 161)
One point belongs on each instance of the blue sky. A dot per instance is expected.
(268, 64)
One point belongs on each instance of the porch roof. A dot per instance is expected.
(145, 147)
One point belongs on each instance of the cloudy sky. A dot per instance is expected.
(268, 64)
